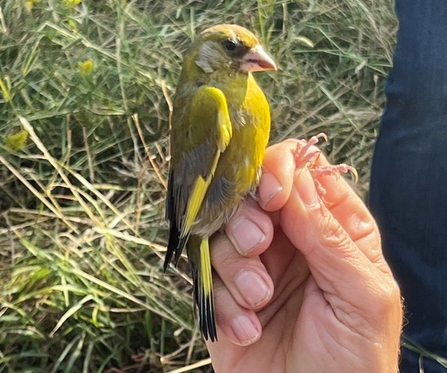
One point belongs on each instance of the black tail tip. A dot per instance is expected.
(208, 320)
(210, 334)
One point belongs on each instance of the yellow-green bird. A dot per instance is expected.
(220, 127)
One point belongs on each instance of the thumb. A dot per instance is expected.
(337, 264)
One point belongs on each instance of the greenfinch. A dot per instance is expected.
(220, 127)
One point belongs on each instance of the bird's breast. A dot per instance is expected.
(238, 170)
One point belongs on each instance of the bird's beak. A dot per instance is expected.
(257, 59)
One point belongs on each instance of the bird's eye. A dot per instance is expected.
(229, 45)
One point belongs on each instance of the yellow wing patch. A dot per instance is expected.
(214, 102)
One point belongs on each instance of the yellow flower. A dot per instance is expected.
(29, 4)
(72, 3)
(17, 141)
(85, 67)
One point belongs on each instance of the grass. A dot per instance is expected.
(83, 161)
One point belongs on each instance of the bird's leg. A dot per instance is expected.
(306, 157)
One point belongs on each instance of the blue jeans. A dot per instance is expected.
(408, 193)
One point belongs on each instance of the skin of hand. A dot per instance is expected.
(301, 284)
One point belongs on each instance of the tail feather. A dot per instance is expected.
(173, 243)
(200, 261)
(176, 244)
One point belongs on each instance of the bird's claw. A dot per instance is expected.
(334, 170)
(306, 157)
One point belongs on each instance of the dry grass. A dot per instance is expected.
(81, 201)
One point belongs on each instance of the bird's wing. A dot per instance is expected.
(199, 141)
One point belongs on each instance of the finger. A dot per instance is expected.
(340, 199)
(276, 181)
(338, 266)
(308, 222)
(350, 211)
(250, 229)
(239, 325)
(245, 278)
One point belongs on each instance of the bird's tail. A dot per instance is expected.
(200, 262)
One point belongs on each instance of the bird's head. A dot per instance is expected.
(229, 48)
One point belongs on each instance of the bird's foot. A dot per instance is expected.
(305, 156)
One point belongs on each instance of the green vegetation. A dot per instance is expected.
(84, 92)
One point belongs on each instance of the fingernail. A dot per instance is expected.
(252, 287)
(269, 187)
(305, 186)
(245, 235)
(244, 330)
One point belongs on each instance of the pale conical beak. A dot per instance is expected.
(257, 59)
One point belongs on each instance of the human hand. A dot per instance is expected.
(301, 283)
